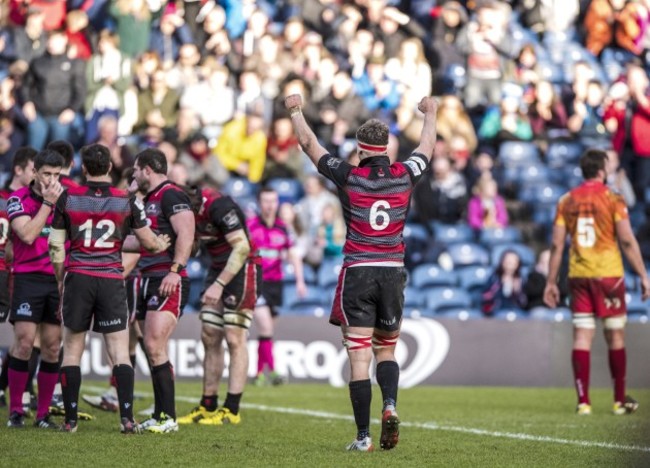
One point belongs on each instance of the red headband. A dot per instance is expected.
(372, 148)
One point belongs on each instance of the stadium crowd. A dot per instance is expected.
(524, 87)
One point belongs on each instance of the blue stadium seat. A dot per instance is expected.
(464, 254)
(289, 190)
(289, 275)
(508, 234)
(194, 297)
(445, 298)
(518, 153)
(561, 314)
(307, 310)
(631, 282)
(414, 297)
(461, 314)
(238, 187)
(634, 303)
(195, 269)
(534, 174)
(544, 214)
(452, 233)
(415, 231)
(315, 296)
(328, 273)
(561, 154)
(473, 276)
(552, 72)
(429, 274)
(541, 193)
(526, 254)
(511, 315)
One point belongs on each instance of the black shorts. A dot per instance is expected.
(5, 296)
(272, 296)
(94, 301)
(369, 296)
(133, 283)
(242, 291)
(35, 298)
(150, 300)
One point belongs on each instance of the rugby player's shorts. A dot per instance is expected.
(35, 298)
(150, 299)
(603, 297)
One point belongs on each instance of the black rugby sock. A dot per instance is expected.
(361, 397)
(388, 378)
(232, 402)
(163, 377)
(4, 374)
(124, 378)
(70, 384)
(210, 402)
(33, 367)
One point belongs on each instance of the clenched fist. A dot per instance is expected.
(293, 101)
(428, 104)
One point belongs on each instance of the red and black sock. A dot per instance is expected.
(232, 402)
(617, 368)
(388, 379)
(210, 402)
(163, 381)
(361, 397)
(124, 378)
(581, 363)
(70, 385)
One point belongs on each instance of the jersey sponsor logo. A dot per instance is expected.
(333, 162)
(381, 173)
(98, 193)
(153, 301)
(230, 300)
(231, 219)
(180, 207)
(14, 205)
(612, 303)
(388, 322)
(415, 167)
(24, 309)
(152, 209)
(109, 323)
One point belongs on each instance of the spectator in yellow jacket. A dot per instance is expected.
(242, 146)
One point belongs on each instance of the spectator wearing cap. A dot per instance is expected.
(241, 147)
(109, 74)
(487, 47)
(169, 35)
(133, 25)
(54, 90)
(30, 41)
(211, 99)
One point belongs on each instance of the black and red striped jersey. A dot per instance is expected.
(375, 197)
(97, 218)
(219, 216)
(68, 182)
(4, 228)
(160, 204)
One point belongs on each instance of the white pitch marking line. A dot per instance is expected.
(429, 426)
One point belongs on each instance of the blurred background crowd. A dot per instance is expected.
(524, 86)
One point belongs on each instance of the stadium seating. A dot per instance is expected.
(307, 310)
(289, 190)
(414, 297)
(472, 276)
(511, 315)
(316, 296)
(526, 253)
(429, 274)
(518, 153)
(534, 174)
(560, 314)
(544, 193)
(461, 314)
(443, 298)
(238, 187)
(634, 303)
(452, 233)
(495, 236)
(195, 269)
(464, 254)
(289, 274)
(328, 273)
(561, 154)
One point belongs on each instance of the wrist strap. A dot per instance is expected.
(220, 283)
(295, 111)
(48, 203)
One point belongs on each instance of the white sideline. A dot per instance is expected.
(429, 426)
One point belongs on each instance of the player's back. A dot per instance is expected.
(99, 219)
(590, 213)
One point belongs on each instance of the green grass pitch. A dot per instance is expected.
(309, 425)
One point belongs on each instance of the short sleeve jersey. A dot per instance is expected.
(68, 182)
(271, 241)
(375, 197)
(219, 216)
(33, 258)
(160, 204)
(590, 213)
(4, 228)
(97, 219)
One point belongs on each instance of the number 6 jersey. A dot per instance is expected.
(375, 197)
(590, 213)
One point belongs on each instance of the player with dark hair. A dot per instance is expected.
(22, 175)
(165, 285)
(369, 300)
(597, 221)
(227, 303)
(96, 218)
(35, 298)
(66, 150)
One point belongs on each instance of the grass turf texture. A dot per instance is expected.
(442, 427)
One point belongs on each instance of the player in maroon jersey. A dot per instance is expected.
(165, 285)
(96, 218)
(227, 303)
(66, 151)
(35, 296)
(370, 293)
